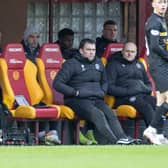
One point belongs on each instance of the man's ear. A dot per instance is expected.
(81, 51)
(122, 51)
(153, 4)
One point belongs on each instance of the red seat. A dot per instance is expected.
(110, 49)
(144, 57)
(49, 63)
(18, 76)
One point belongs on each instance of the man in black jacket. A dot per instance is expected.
(157, 47)
(82, 80)
(109, 34)
(129, 83)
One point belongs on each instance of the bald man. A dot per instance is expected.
(129, 83)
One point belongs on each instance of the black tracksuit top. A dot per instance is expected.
(126, 78)
(156, 35)
(89, 78)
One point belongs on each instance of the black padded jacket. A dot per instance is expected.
(126, 78)
(156, 37)
(79, 74)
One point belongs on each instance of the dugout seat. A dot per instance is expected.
(124, 112)
(111, 48)
(144, 59)
(18, 76)
(49, 63)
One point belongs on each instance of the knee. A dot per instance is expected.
(98, 116)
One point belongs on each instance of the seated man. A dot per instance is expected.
(65, 41)
(31, 47)
(109, 35)
(30, 42)
(82, 80)
(128, 82)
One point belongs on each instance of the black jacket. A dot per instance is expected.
(156, 35)
(31, 55)
(87, 77)
(126, 78)
(101, 44)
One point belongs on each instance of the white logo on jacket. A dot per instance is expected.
(83, 67)
(97, 66)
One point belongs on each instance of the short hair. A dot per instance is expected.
(109, 22)
(65, 32)
(84, 41)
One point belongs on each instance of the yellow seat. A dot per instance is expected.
(125, 112)
(18, 77)
(49, 62)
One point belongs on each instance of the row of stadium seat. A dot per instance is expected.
(30, 85)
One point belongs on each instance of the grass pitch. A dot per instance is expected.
(147, 156)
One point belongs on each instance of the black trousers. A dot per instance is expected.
(146, 106)
(97, 112)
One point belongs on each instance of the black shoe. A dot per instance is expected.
(138, 141)
(125, 141)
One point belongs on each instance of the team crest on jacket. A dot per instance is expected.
(154, 32)
(97, 66)
(83, 67)
(138, 65)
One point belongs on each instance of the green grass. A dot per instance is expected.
(84, 156)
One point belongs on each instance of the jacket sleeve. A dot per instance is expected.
(104, 83)
(154, 32)
(146, 81)
(100, 47)
(113, 89)
(62, 78)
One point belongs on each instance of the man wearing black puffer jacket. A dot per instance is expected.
(82, 80)
(129, 83)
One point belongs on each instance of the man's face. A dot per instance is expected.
(129, 52)
(88, 51)
(67, 42)
(33, 40)
(110, 32)
(160, 6)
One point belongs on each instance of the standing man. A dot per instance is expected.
(157, 48)
(83, 82)
(109, 35)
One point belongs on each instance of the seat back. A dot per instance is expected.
(18, 76)
(144, 59)
(49, 63)
(110, 49)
